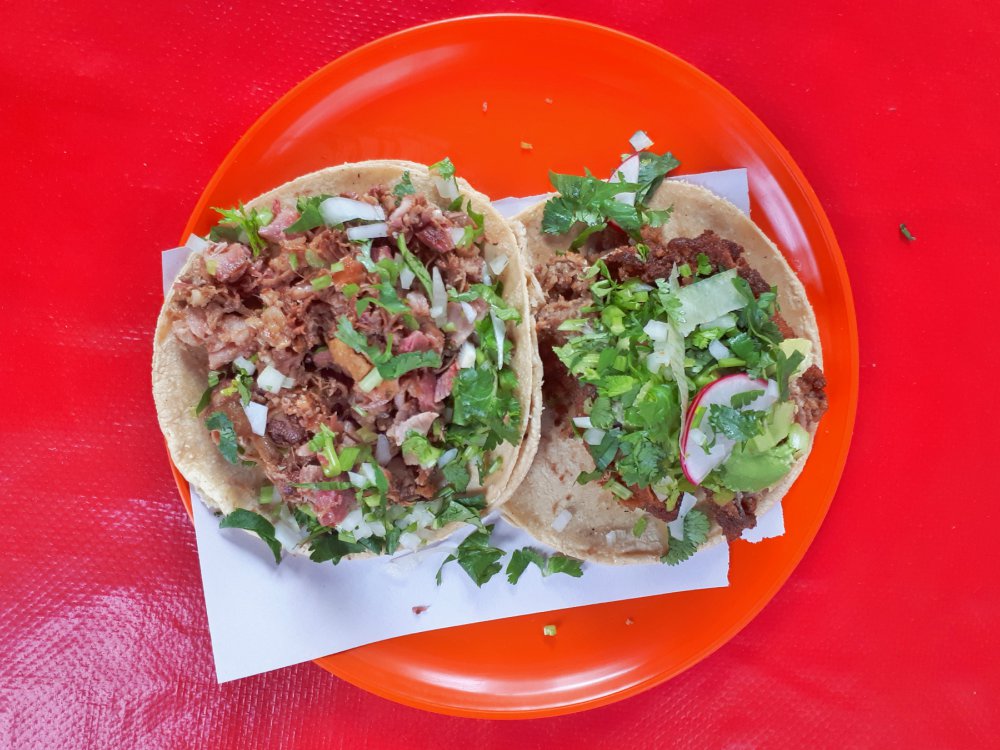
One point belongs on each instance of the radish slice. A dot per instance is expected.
(337, 210)
(627, 172)
(697, 462)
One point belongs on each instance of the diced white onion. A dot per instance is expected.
(409, 540)
(363, 531)
(357, 480)
(448, 189)
(466, 356)
(377, 527)
(561, 520)
(657, 359)
(382, 452)
(369, 472)
(351, 520)
(439, 298)
(718, 350)
(368, 231)
(457, 233)
(287, 531)
(498, 264)
(593, 436)
(197, 244)
(470, 312)
(657, 330)
(498, 332)
(270, 380)
(337, 210)
(677, 525)
(420, 515)
(288, 383)
(406, 277)
(582, 422)
(246, 365)
(487, 279)
(627, 172)
(257, 417)
(447, 457)
(640, 140)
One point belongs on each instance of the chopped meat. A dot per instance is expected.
(283, 218)
(352, 273)
(331, 506)
(463, 326)
(736, 515)
(420, 386)
(231, 261)
(460, 271)
(643, 497)
(419, 305)
(284, 430)
(347, 360)
(419, 423)
(417, 341)
(444, 384)
(808, 391)
(553, 314)
(563, 277)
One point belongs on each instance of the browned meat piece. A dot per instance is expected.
(284, 430)
(420, 423)
(643, 497)
(283, 218)
(353, 273)
(345, 359)
(256, 448)
(418, 341)
(736, 515)
(562, 277)
(553, 314)
(444, 384)
(786, 330)
(331, 506)
(230, 261)
(420, 386)
(808, 391)
(459, 271)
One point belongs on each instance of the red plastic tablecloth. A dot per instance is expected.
(114, 115)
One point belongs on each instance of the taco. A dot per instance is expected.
(682, 368)
(345, 366)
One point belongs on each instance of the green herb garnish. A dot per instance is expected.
(250, 521)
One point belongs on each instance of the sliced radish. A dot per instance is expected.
(697, 462)
(627, 172)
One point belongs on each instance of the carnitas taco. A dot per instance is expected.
(682, 368)
(345, 365)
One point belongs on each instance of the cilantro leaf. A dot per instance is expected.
(497, 303)
(309, 214)
(228, 446)
(444, 169)
(563, 564)
(459, 510)
(652, 170)
(414, 264)
(736, 424)
(404, 186)
(476, 557)
(474, 392)
(746, 398)
(392, 368)
(696, 527)
(600, 413)
(329, 547)
(248, 222)
(520, 559)
(906, 233)
(787, 365)
(250, 521)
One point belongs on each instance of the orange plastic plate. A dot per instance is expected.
(461, 88)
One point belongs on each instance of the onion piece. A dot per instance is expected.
(257, 417)
(718, 350)
(627, 172)
(439, 301)
(561, 520)
(457, 233)
(383, 453)
(447, 457)
(351, 520)
(246, 365)
(357, 480)
(270, 380)
(594, 436)
(370, 381)
(288, 383)
(409, 540)
(466, 356)
(657, 330)
(487, 279)
(470, 312)
(406, 277)
(499, 330)
(447, 189)
(640, 141)
(368, 471)
(368, 231)
(197, 244)
(337, 210)
(582, 422)
(498, 264)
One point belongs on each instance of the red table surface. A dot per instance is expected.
(113, 116)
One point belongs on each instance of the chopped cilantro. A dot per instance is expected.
(476, 557)
(309, 214)
(444, 169)
(746, 398)
(639, 526)
(404, 186)
(228, 446)
(736, 424)
(322, 282)
(389, 367)
(557, 563)
(549, 630)
(906, 232)
(250, 521)
(245, 222)
(696, 527)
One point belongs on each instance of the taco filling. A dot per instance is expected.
(671, 361)
(358, 355)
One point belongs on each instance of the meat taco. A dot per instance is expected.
(345, 365)
(682, 368)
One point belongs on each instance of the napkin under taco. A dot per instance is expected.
(345, 366)
(682, 368)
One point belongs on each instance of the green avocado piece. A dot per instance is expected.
(748, 471)
(776, 428)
